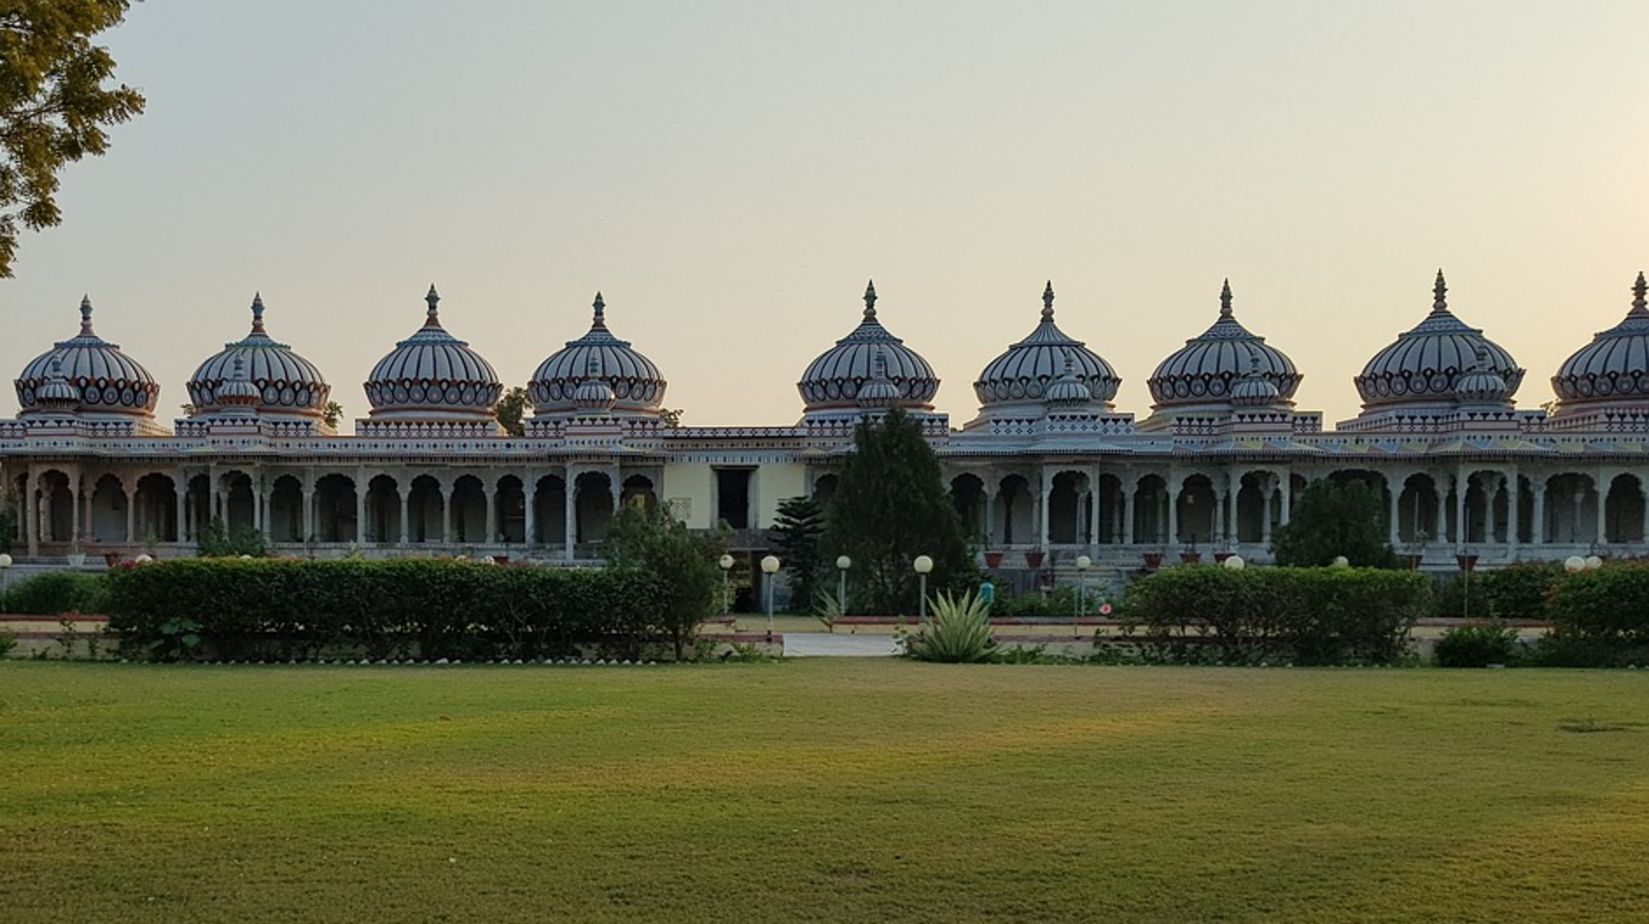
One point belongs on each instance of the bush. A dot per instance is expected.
(219, 541)
(57, 592)
(1477, 645)
(1331, 519)
(1609, 605)
(682, 565)
(1209, 614)
(1059, 603)
(1517, 591)
(264, 609)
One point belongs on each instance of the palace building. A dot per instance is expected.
(1047, 470)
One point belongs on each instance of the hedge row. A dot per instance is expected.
(280, 609)
(56, 593)
(1295, 615)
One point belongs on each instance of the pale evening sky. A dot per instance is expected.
(729, 174)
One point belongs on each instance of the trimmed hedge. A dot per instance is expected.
(1209, 614)
(57, 593)
(1609, 605)
(281, 609)
(1519, 591)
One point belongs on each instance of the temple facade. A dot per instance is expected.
(1047, 470)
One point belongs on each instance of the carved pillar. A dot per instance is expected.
(181, 484)
(308, 509)
(1392, 507)
(1128, 493)
(529, 489)
(1267, 493)
(990, 516)
(1462, 525)
(1044, 495)
(405, 492)
(1514, 500)
(360, 509)
(449, 494)
(31, 514)
(489, 490)
(131, 515)
(570, 519)
(74, 508)
(1285, 512)
(1602, 510)
(1173, 493)
(1218, 537)
(1440, 489)
(1537, 528)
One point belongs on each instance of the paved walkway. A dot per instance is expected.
(824, 645)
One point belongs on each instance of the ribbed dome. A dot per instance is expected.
(433, 375)
(1024, 373)
(637, 386)
(1614, 367)
(594, 395)
(57, 394)
(1481, 385)
(1208, 367)
(284, 382)
(107, 380)
(1069, 391)
(238, 390)
(879, 393)
(833, 379)
(1254, 389)
(1422, 366)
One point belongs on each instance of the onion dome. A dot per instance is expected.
(1614, 367)
(833, 380)
(879, 393)
(433, 375)
(1423, 365)
(636, 384)
(285, 382)
(594, 395)
(1254, 389)
(1481, 384)
(57, 394)
(1023, 375)
(239, 391)
(1208, 367)
(108, 381)
(1069, 391)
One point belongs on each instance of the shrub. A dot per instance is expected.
(683, 565)
(960, 632)
(8, 643)
(219, 541)
(58, 592)
(1609, 605)
(1477, 645)
(1518, 591)
(1210, 614)
(265, 609)
(1331, 519)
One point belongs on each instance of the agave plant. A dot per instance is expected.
(960, 631)
(828, 608)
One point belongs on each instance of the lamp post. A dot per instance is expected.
(770, 567)
(5, 573)
(1234, 563)
(1083, 563)
(726, 563)
(842, 564)
(1574, 564)
(923, 565)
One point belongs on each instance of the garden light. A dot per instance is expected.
(726, 562)
(842, 564)
(923, 564)
(770, 567)
(1574, 564)
(1235, 563)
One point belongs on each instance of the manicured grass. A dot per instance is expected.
(821, 791)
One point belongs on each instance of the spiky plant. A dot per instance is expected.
(959, 633)
(828, 609)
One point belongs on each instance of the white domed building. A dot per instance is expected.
(1046, 471)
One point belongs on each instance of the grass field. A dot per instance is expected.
(821, 791)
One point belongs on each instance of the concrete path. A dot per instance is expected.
(824, 645)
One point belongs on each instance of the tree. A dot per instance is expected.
(511, 409)
(671, 417)
(333, 413)
(890, 506)
(54, 107)
(684, 563)
(1331, 520)
(796, 531)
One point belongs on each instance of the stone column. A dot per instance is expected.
(570, 518)
(489, 491)
(1602, 509)
(213, 499)
(360, 510)
(405, 493)
(182, 493)
(74, 509)
(1218, 536)
(308, 509)
(1285, 512)
(1266, 495)
(1462, 525)
(1393, 534)
(1537, 529)
(1173, 493)
(529, 489)
(990, 515)
(449, 493)
(131, 515)
(1440, 489)
(1043, 496)
(31, 515)
(1514, 500)
(1128, 493)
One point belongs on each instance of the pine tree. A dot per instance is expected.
(796, 531)
(889, 507)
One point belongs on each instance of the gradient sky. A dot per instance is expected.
(729, 174)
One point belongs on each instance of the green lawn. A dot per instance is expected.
(821, 791)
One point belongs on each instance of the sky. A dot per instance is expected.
(729, 174)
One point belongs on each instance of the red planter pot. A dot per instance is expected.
(993, 560)
(1033, 560)
(1190, 558)
(1153, 560)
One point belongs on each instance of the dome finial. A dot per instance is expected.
(600, 306)
(1640, 295)
(1439, 291)
(433, 299)
(1225, 299)
(86, 316)
(257, 313)
(1048, 301)
(870, 300)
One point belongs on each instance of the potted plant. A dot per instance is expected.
(993, 560)
(1033, 559)
(1153, 561)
